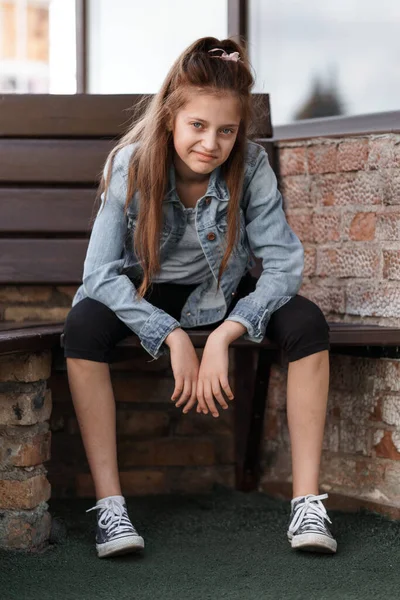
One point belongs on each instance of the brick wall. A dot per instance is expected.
(25, 438)
(342, 197)
(159, 449)
(35, 303)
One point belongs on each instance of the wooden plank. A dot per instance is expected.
(42, 261)
(46, 210)
(87, 115)
(27, 339)
(51, 161)
(76, 115)
(342, 334)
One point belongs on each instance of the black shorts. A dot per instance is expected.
(92, 330)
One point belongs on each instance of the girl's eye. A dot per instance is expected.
(195, 125)
(227, 131)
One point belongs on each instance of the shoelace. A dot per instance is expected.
(114, 519)
(310, 512)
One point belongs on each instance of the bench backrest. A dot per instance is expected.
(52, 151)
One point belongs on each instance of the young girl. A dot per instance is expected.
(187, 200)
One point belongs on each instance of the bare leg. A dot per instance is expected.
(307, 397)
(94, 403)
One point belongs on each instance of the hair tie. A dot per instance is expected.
(234, 56)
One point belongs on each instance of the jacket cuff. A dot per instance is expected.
(251, 315)
(155, 330)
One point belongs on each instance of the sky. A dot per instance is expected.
(358, 41)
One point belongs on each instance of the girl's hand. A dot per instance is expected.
(185, 367)
(213, 375)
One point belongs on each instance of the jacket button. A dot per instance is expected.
(188, 314)
(211, 236)
(208, 200)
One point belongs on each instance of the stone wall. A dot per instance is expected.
(25, 439)
(342, 197)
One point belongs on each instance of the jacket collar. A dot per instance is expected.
(216, 186)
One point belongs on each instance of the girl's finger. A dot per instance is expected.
(209, 398)
(192, 399)
(200, 396)
(178, 388)
(187, 391)
(226, 387)
(216, 390)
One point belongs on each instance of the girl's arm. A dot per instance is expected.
(272, 240)
(102, 278)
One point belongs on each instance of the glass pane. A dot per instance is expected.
(326, 58)
(37, 46)
(9, 37)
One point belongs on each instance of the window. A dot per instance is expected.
(326, 58)
(37, 46)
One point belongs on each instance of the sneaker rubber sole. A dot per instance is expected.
(125, 545)
(313, 542)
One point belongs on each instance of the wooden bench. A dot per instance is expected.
(52, 149)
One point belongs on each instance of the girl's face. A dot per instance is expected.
(204, 132)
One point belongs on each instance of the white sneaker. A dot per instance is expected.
(308, 528)
(115, 533)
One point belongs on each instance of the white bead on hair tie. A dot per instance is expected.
(234, 56)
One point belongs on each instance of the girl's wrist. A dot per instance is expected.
(174, 336)
(228, 332)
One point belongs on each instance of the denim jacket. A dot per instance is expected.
(111, 265)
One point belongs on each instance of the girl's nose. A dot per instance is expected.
(210, 142)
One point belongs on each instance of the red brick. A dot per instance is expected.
(67, 290)
(172, 451)
(329, 299)
(381, 152)
(350, 261)
(323, 190)
(359, 188)
(310, 257)
(388, 227)
(25, 367)
(25, 408)
(353, 155)
(391, 264)
(392, 187)
(25, 530)
(194, 424)
(136, 388)
(24, 294)
(25, 494)
(322, 158)
(27, 452)
(376, 300)
(386, 448)
(363, 226)
(292, 161)
(296, 191)
(302, 225)
(133, 483)
(20, 314)
(139, 422)
(326, 227)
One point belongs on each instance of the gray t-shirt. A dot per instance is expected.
(187, 264)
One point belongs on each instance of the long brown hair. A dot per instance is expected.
(148, 170)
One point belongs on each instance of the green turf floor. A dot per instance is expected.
(225, 545)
